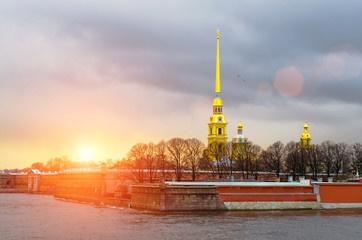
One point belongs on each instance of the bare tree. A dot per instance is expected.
(38, 165)
(151, 161)
(137, 161)
(264, 159)
(292, 158)
(110, 163)
(255, 151)
(356, 157)
(216, 154)
(195, 149)
(240, 157)
(121, 164)
(229, 159)
(341, 157)
(162, 160)
(303, 159)
(314, 163)
(176, 148)
(58, 164)
(327, 156)
(274, 157)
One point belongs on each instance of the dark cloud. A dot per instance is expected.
(55, 49)
(173, 43)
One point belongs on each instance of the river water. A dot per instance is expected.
(24, 216)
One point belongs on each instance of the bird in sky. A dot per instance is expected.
(241, 78)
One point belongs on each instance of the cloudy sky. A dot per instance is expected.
(100, 76)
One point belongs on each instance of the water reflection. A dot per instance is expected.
(37, 216)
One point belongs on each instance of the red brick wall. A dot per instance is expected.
(340, 192)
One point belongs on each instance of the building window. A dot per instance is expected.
(210, 131)
(220, 131)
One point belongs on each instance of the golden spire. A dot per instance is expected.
(305, 125)
(217, 81)
(240, 126)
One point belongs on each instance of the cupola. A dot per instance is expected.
(305, 139)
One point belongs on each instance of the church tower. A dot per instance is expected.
(239, 144)
(240, 138)
(305, 139)
(217, 123)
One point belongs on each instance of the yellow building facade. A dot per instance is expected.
(217, 123)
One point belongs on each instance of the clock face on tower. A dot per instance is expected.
(220, 119)
(210, 119)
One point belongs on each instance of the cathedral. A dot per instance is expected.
(217, 124)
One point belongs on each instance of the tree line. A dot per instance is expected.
(60, 163)
(176, 156)
(172, 158)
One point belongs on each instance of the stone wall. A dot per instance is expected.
(47, 183)
(7, 181)
(21, 181)
(176, 198)
(264, 195)
(83, 187)
(25, 182)
(274, 193)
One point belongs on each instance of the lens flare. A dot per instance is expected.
(289, 81)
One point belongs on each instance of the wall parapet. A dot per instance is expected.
(340, 192)
(176, 198)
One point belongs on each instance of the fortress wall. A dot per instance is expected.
(7, 181)
(340, 192)
(176, 198)
(267, 193)
(47, 183)
(83, 187)
(268, 197)
(21, 182)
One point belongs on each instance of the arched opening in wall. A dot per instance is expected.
(210, 131)
(8, 183)
(220, 131)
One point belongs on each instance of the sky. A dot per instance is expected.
(89, 79)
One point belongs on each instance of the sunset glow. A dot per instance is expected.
(86, 154)
(90, 81)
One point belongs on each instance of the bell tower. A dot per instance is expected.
(217, 123)
(305, 139)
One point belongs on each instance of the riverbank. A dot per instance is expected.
(112, 188)
(13, 190)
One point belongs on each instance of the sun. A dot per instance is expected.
(86, 154)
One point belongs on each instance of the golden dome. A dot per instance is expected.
(217, 102)
(240, 126)
(305, 138)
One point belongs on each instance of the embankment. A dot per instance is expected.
(176, 198)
